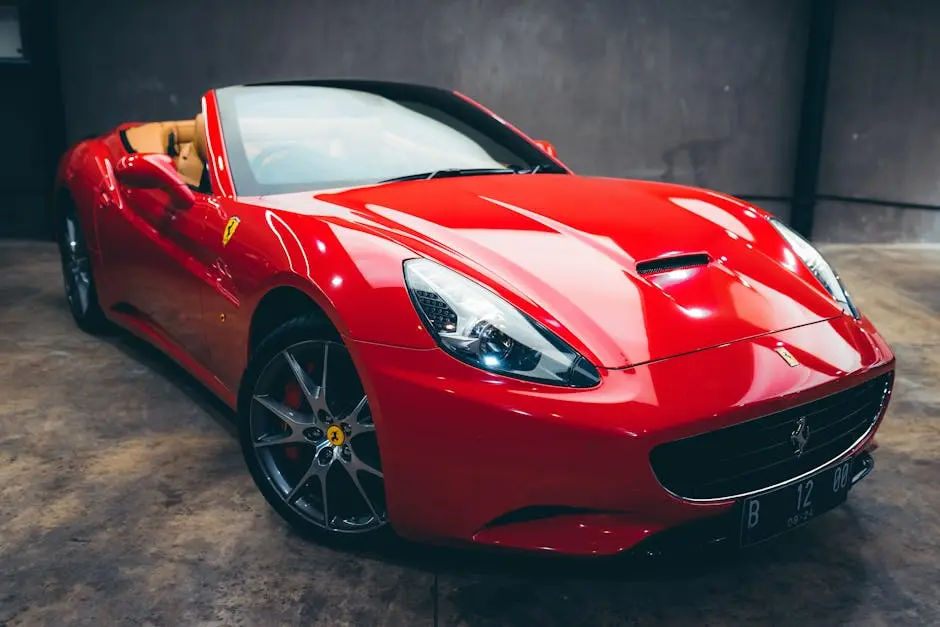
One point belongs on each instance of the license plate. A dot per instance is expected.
(772, 513)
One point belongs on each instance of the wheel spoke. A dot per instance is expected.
(355, 415)
(353, 467)
(326, 502)
(282, 411)
(70, 231)
(358, 428)
(77, 279)
(316, 469)
(279, 439)
(326, 362)
(311, 391)
(82, 294)
(358, 409)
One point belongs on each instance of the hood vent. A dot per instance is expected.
(667, 264)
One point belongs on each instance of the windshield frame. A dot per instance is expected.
(450, 102)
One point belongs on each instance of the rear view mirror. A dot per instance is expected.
(546, 147)
(155, 171)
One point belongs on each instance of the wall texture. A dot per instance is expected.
(24, 172)
(882, 135)
(30, 126)
(701, 92)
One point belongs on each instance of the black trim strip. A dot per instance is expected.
(127, 145)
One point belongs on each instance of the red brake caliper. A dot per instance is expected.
(293, 398)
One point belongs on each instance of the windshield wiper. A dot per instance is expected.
(450, 173)
(454, 172)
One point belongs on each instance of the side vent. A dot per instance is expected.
(667, 264)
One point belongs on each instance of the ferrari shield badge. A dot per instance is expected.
(229, 231)
(335, 435)
(787, 357)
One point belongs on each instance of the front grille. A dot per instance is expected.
(758, 454)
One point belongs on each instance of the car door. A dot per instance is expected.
(159, 260)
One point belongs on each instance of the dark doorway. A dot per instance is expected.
(31, 117)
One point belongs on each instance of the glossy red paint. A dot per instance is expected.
(155, 172)
(547, 147)
(520, 445)
(680, 353)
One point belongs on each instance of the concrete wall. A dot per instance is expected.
(882, 137)
(24, 172)
(702, 92)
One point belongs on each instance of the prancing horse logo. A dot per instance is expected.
(800, 436)
(335, 435)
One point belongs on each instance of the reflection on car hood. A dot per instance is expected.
(567, 248)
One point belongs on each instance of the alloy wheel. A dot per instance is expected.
(314, 438)
(76, 267)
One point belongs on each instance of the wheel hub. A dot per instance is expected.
(336, 435)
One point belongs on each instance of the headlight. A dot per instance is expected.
(817, 265)
(478, 327)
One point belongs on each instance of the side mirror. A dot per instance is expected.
(155, 171)
(546, 147)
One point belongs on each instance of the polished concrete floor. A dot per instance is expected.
(124, 501)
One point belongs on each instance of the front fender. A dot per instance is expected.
(351, 272)
(353, 275)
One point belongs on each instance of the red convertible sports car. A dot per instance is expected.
(426, 322)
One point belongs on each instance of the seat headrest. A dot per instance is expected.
(199, 137)
(175, 134)
(184, 131)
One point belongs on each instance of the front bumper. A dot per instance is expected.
(721, 531)
(475, 457)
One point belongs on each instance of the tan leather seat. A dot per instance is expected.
(161, 137)
(183, 140)
(191, 162)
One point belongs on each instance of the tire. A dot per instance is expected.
(307, 435)
(77, 275)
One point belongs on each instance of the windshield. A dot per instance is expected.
(299, 137)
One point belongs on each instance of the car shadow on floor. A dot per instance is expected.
(160, 364)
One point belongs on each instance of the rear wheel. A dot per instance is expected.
(307, 434)
(77, 275)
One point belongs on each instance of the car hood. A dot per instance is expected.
(566, 249)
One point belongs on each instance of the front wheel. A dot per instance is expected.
(307, 434)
